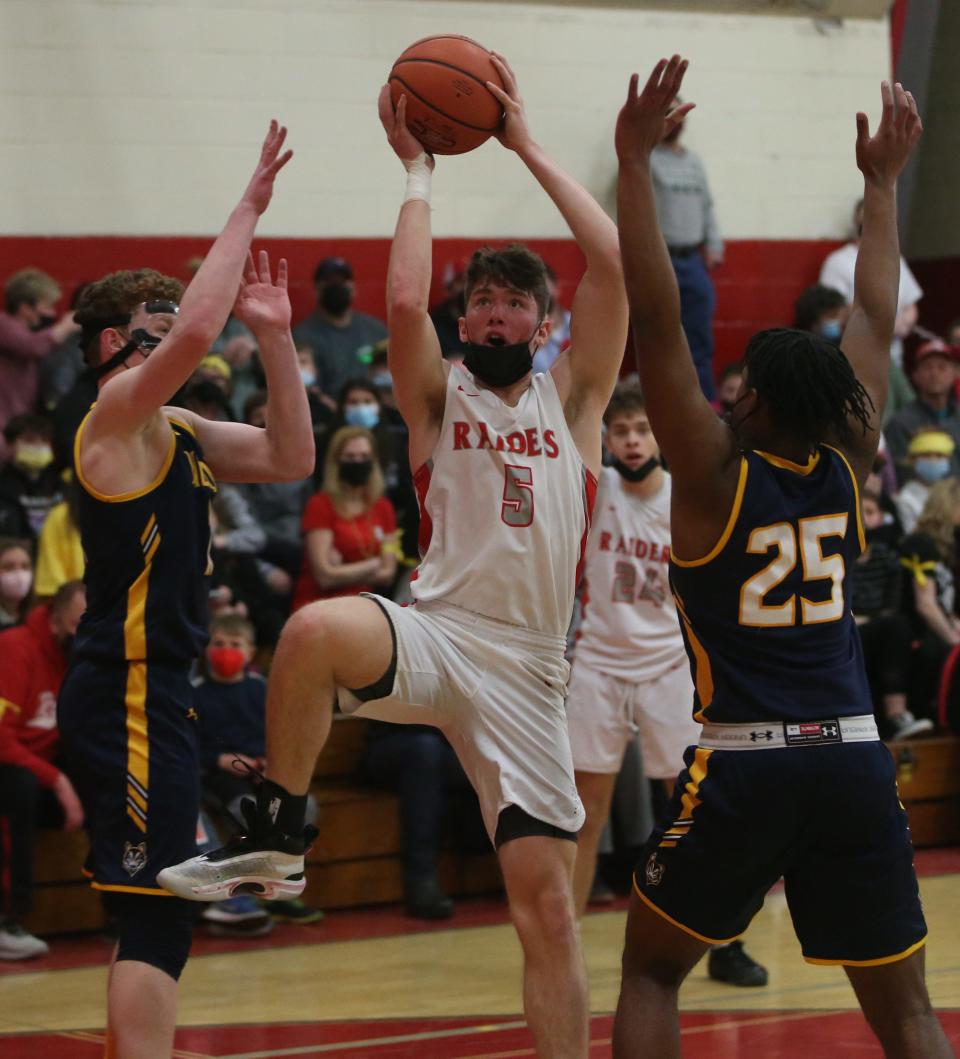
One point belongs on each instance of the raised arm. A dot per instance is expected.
(284, 449)
(598, 323)
(869, 331)
(413, 351)
(694, 441)
(130, 398)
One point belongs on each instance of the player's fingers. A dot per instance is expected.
(282, 273)
(653, 81)
(670, 73)
(679, 113)
(280, 162)
(251, 269)
(268, 139)
(401, 118)
(679, 75)
(632, 88)
(886, 95)
(505, 71)
(863, 128)
(499, 93)
(264, 266)
(385, 108)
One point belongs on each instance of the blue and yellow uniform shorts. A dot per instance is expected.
(826, 819)
(129, 733)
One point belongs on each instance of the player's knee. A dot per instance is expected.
(547, 915)
(641, 968)
(153, 930)
(308, 628)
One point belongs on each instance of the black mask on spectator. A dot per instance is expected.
(355, 472)
(336, 298)
(45, 321)
(636, 474)
(500, 365)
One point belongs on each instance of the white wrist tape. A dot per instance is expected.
(419, 176)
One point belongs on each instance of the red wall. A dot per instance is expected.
(756, 285)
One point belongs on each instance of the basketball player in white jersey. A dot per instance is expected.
(630, 673)
(505, 465)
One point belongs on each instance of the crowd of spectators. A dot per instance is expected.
(353, 526)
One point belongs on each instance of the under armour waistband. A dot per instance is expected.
(862, 729)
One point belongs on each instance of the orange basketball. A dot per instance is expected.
(450, 110)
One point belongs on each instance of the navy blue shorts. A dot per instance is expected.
(129, 735)
(826, 818)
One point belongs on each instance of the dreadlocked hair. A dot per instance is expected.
(808, 384)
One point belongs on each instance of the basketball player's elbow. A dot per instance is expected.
(406, 301)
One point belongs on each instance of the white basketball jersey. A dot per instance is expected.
(629, 627)
(505, 506)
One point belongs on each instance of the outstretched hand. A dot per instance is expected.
(260, 188)
(647, 117)
(881, 158)
(405, 145)
(262, 303)
(514, 133)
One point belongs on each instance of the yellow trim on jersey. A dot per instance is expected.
(698, 772)
(182, 423)
(703, 672)
(676, 923)
(789, 465)
(870, 963)
(156, 892)
(135, 698)
(133, 793)
(728, 529)
(6, 704)
(120, 498)
(861, 536)
(151, 522)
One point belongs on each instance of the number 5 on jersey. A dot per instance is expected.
(517, 508)
(782, 537)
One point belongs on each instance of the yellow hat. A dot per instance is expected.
(216, 363)
(936, 442)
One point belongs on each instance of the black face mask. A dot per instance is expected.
(140, 340)
(636, 474)
(500, 365)
(355, 472)
(336, 298)
(45, 321)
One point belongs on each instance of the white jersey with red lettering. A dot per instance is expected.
(630, 627)
(505, 506)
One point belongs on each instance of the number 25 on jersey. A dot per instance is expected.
(790, 544)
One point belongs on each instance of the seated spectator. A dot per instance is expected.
(929, 556)
(929, 453)
(30, 479)
(885, 632)
(823, 311)
(335, 331)
(60, 370)
(322, 406)
(932, 372)
(59, 551)
(728, 387)
(277, 507)
(559, 338)
(446, 314)
(16, 581)
(349, 526)
(419, 764)
(360, 404)
(29, 331)
(33, 790)
(231, 701)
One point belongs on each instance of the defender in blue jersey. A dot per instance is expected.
(789, 778)
(147, 474)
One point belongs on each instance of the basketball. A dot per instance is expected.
(450, 110)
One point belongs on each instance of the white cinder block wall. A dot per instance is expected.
(141, 118)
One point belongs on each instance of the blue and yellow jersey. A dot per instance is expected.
(148, 557)
(765, 617)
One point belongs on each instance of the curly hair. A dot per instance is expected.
(513, 266)
(110, 301)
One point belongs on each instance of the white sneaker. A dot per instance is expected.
(17, 944)
(906, 726)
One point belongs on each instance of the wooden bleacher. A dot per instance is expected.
(355, 861)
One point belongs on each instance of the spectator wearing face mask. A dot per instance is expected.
(33, 789)
(349, 526)
(30, 481)
(930, 454)
(335, 331)
(933, 372)
(16, 581)
(361, 405)
(29, 330)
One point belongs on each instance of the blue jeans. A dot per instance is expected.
(698, 300)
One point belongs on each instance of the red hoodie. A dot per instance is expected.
(32, 665)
